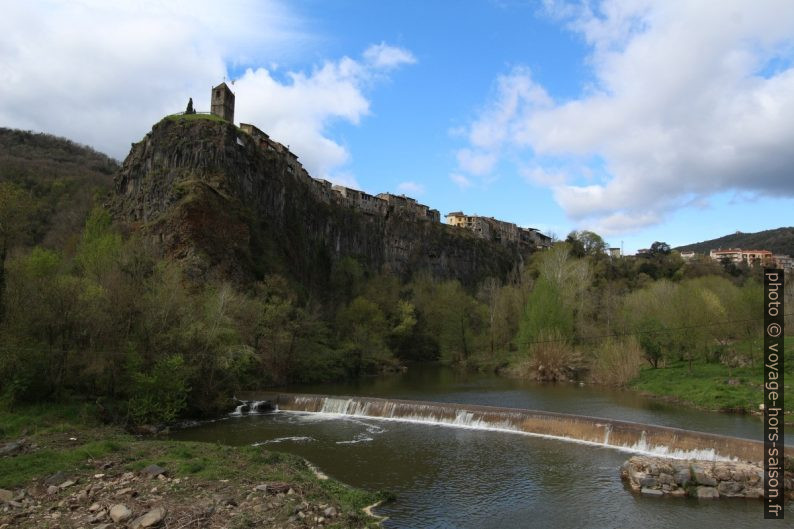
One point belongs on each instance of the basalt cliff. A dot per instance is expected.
(216, 198)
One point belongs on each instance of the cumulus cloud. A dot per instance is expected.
(102, 73)
(299, 110)
(689, 99)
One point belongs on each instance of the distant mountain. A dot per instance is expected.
(777, 241)
(63, 178)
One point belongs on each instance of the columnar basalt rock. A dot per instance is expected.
(227, 208)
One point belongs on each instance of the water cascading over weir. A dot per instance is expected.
(621, 435)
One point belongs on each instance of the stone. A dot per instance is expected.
(730, 488)
(150, 519)
(66, 484)
(678, 493)
(12, 448)
(94, 507)
(52, 489)
(649, 482)
(651, 492)
(127, 490)
(119, 513)
(707, 493)
(6, 495)
(722, 473)
(701, 478)
(682, 477)
(152, 471)
(56, 479)
(666, 479)
(330, 512)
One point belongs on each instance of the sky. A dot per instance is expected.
(641, 120)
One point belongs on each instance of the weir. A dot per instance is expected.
(621, 435)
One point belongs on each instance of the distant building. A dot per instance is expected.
(492, 229)
(402, 202)
(738, 256)
(614, 252)
(222, 102)
(687, 255)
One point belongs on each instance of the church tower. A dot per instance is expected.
(223, 102)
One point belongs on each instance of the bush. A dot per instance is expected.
(160, 396)
(552, 358)
(616, 362)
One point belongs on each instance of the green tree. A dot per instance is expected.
(15, 210)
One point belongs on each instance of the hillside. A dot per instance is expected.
(227, 208)
(778, 241)
(62, 178)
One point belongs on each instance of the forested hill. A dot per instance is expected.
(59, 179)
(777, 241)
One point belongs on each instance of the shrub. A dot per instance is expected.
(616, 362)
(552, 358)
(161, 395)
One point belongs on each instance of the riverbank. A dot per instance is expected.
(59, 468)
(714, 386)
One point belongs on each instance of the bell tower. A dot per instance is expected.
(223, 102)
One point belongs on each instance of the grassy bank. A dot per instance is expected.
(714, 386)
(105, 461)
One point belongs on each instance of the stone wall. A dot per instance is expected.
(654, 476)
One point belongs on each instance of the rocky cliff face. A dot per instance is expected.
(228, 208)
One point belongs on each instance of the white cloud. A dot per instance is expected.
(460, 180)
(387, 57)
(298, 112)
(102, 73)
(684, 105)
(411, 188)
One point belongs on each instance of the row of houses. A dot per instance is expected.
(738, 256)
(490, 228)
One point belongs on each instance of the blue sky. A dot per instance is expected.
(641, 120)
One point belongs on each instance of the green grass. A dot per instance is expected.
(707, 386)
(194, 117)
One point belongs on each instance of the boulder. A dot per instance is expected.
(730, 488)
(6, 496)
(707, 493)
(14, 447)
(649, 482)
(152, 471)
(150, 519)
(56, 479)
(651, 492)
(119, 513)
(682, 477)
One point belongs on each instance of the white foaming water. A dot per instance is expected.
(238, 411)
(296, 439)
(359, 438)
(423, 414)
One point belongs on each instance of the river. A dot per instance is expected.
(447, 477)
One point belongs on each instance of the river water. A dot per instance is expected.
(447, 477)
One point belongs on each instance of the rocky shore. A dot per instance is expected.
(197, 486)
(654, 476)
